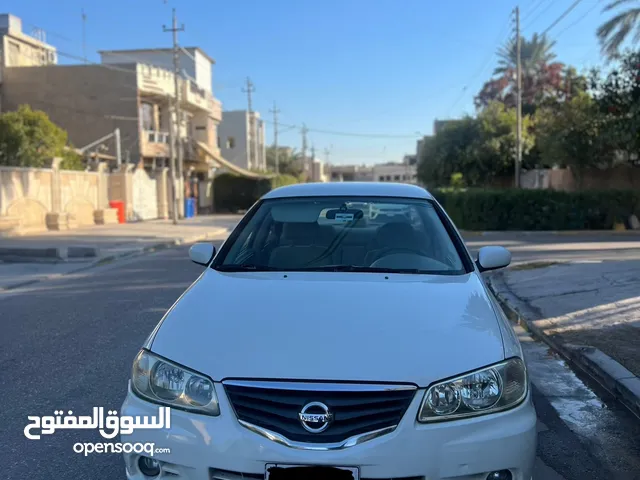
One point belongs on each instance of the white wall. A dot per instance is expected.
(203, 70)
(158, 58)
(397, 173)
(234, 124)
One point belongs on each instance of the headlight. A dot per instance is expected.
(488, 390)
(161, 381)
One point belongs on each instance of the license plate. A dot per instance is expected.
(276, 471)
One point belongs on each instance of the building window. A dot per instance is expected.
(146, 115)
(381, 178)
(388, 178)
(219, 144)
(231, 142)
(396, 178)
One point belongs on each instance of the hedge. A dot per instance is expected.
(232, 193)
(515, 209)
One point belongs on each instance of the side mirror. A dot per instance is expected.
(492, 258)
(202, 253)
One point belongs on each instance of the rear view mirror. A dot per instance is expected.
(202, 253)
(492, 258)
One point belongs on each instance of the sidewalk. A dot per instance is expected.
(589, 311)
(28, 259)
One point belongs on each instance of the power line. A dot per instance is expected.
(559, 19)
(531, 11)
(344, 134)
(483, 67)
(578, 20)
(528, 24)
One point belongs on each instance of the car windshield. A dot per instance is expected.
(343, 234)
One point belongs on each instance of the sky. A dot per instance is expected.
(367, 77)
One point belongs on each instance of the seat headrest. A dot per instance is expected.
(300, 233)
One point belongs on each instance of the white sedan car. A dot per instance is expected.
(336, 350)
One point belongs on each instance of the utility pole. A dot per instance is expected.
(250, 150)
(275, 112)
(327, 152)
(176, 140)
(304, 132)
(519, 101)
(172, 167)
(84, 36)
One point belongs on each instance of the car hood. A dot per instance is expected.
(331, 326)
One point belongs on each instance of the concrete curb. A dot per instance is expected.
(474, 233)
(162, 245)
(615, 378)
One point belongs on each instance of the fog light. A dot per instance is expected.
(150, 467)
(501, 475)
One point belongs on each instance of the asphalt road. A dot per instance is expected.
(69, 343)
(549, 247)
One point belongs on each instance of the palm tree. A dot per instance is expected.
(541, 75)
(615, 31)
(534, 54)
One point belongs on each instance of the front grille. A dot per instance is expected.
(216, 474)
(356, 411)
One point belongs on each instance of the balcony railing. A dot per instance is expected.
(153, 136)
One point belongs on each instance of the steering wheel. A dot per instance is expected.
(394, 250)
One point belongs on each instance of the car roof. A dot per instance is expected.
(369, 189)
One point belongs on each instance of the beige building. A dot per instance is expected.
(91, 101)
(20, 50)
(350, 173)
(405, 172)
(241, 139)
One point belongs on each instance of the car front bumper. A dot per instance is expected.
(211, 448)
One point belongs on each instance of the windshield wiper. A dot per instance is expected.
(359, 268)
(246, 267)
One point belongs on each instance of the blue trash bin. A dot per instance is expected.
(188, 207)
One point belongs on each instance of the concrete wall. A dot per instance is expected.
(198, 68)
(33, 200)
(234, 125)
(89, 101)
(620, 177)
(79, 195)
(25, 198)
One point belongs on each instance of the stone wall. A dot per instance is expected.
(33, 200)
(25, 198)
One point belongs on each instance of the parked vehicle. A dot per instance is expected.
(309, 349)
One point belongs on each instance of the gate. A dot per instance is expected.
(145, 196)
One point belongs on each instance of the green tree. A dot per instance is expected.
(289, 161)
(29, 139)
(533, 53)
(617, 29)
(575, 134)
(480, 149)
(618, 98)
(449, 152)
(541, 75)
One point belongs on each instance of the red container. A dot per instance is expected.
(119, 205)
